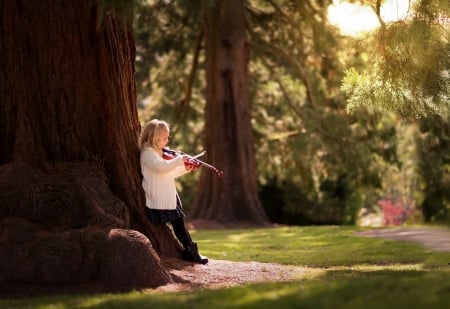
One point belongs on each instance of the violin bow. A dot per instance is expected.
(214, 169)
(195, 159)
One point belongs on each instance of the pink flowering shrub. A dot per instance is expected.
(396, 212)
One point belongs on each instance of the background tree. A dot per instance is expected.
(227, 129)
(316, 163)
(434, 167)
(317, 158)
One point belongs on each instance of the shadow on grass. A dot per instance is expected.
(333, 289)
(336, 289)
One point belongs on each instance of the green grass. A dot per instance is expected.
(345, 271)
(311, 246)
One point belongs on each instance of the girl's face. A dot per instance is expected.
(163, 139)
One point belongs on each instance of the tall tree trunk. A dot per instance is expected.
(68, 98)
(228, 132)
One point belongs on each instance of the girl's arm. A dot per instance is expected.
(152, 160)
(180, 171)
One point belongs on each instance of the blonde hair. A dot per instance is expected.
(151, 132)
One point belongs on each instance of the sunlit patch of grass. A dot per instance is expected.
(376, 268)
(313, 247)
(342, 270)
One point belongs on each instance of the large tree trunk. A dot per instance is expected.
(68, 144)
(228, 132)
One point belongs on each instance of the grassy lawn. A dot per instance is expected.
(347, 271)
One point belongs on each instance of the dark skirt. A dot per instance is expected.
(161, 216)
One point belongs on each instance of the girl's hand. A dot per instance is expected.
(190, 164)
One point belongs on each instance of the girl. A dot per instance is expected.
(161, 198)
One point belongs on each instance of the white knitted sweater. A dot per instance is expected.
(159, 179)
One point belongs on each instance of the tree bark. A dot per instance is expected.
(228, 132)
(67, 98)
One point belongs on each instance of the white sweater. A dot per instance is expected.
(159, 179)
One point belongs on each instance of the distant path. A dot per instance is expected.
(433, 238)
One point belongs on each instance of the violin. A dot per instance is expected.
(169, 154)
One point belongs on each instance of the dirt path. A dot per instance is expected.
(218, 273)
(432, 238)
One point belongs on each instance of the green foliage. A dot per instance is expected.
(409, 68)
(327, 165)
(434, 141)
(313, 153)
(167, 35)
(408, 73)
(324, 164)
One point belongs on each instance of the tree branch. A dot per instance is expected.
(377, 10)
(286, 95)
(190, 81)
(290, 62)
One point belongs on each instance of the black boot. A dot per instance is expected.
(191, 254)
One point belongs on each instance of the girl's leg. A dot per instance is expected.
(190, 248)
(181, 232)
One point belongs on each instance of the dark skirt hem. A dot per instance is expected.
(163, 216)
